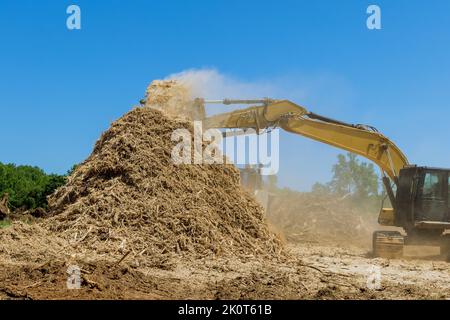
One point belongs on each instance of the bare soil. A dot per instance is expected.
(310, 272)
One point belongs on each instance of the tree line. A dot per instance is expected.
(27, 187)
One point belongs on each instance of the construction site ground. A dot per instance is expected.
(309, 272)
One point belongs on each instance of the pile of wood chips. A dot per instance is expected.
(129, 196)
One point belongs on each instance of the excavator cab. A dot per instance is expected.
(421, 208)
(423, 198)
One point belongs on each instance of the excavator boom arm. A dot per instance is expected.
(358, 139)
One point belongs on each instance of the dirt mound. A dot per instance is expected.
(129, 196)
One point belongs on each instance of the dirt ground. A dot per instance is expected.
(308, 272)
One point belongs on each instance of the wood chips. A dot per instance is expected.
(129, 196)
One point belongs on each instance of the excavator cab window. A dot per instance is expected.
(433, 186)
(431, 203)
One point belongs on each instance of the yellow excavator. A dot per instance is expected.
(419, 196)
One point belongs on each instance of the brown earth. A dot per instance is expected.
(309, 272)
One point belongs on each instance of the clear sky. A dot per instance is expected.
(60, 89)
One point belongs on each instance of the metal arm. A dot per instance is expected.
(359, 139)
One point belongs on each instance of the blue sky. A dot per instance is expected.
(60, 89)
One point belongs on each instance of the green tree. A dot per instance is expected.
(27, 186)
(71, 170)
(351, 176)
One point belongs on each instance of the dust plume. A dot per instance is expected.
(212, 84)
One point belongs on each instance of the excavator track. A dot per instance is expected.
(388, 244)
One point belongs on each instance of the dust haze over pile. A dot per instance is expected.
(211, 84)
(303, 88)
